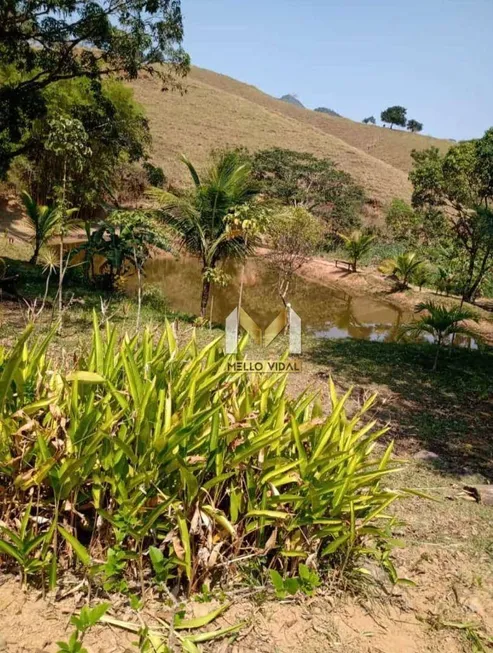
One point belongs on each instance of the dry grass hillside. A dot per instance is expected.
(217, 111)
(389, 145)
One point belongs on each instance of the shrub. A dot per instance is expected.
(403, 222)
(422, 275)
(154, 297)
(300, 179)
(163, 463)
(155, 175)
(402, 268)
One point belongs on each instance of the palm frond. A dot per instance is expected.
(159, 195)
(49, 258)
(193, 171)
(415, 329)
(461, 330)
(441, 322)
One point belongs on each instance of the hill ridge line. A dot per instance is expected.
(348, 146)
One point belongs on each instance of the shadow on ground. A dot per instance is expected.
(448, 412)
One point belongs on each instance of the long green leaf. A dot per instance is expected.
(80, 550)
(199, 622)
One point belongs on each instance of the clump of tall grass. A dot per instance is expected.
(154, 463)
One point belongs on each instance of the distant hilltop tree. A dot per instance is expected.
(370, 120)
(329, 112)
(292, 99)
(414, 125)
(394, 116)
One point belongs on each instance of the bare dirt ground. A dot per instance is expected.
(451, 604)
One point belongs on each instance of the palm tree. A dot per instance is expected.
(421, 276)
(440, 322)
(43, 220)
(357, 245)
(402, 267)
(444, 280)
(201, 217)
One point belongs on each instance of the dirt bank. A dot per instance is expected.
(369, 282)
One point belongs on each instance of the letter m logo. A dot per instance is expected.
(264, 338)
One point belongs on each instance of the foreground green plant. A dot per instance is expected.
(83, 622)
(307, 582)
(167, 467)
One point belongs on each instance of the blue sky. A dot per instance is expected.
(357, 56)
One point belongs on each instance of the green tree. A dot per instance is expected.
(67, 139)
(459, 185)
(329, 112)
(43, 220)
(402, 267)
(294, 236)
(155, 175)
(395, 115)
(300, 179)
(51, 40)
(370, 120)
(414, 125)
(357, 245)
(202, 217)
(137, 232)
(403, 221)
(116, 134)
(441, 323)
(251, 222)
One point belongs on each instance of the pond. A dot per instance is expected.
(326, 312)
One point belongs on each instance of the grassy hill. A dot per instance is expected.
(217, 110)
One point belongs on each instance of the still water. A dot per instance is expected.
(326, 312)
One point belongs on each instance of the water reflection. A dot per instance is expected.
(326, 312)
